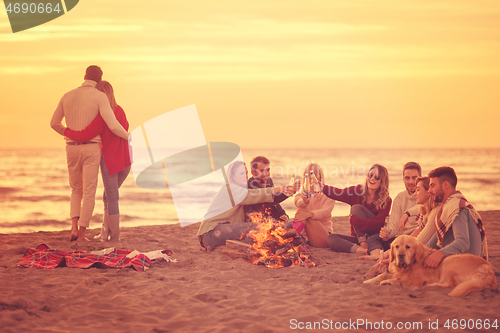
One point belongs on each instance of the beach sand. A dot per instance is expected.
(218, 292)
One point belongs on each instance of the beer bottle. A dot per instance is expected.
(307, 188)
(386, 223)
(315, 186)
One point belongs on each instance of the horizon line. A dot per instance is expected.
(300, 148)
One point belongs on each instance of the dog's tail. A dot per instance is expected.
(484, 278)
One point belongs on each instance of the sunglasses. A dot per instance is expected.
(370, 175)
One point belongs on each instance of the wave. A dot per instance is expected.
(41, 198)
(8, 190)
(485, 181)
(59, 223)
(150, 197)
(123, 218)
(34, 223)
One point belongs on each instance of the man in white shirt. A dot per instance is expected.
(79, 107)
(400, 205)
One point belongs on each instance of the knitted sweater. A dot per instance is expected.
(321, 208)
(80, 106)
(402, 202)
(353, 195)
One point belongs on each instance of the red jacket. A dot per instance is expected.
(114, 149)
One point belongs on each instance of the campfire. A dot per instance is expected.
(274, 247)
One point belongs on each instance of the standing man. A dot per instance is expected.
(400, 206)
(261, 178)
(459, 228)
(79, 107)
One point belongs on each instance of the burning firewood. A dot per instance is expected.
(274, 249)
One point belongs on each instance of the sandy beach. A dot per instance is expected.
(220, 292)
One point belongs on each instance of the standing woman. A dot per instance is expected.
(115, 161)
(370, 205)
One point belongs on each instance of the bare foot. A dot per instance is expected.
(74, 235)
(81, 234)
(361, 250)
(369, 257)
(74, 229)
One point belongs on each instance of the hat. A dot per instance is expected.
(93, 73)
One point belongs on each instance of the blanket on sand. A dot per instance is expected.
(43, 257)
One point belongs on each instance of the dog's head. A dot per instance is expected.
(406, 250)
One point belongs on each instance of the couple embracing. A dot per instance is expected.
(96, 135)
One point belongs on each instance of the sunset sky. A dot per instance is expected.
(328, 74)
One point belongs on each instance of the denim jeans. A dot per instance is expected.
(111, 185)
(375, 242)
(361, 212)
(341, 243)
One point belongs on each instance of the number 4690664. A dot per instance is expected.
(32, 8)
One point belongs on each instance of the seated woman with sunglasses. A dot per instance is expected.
(370, 205)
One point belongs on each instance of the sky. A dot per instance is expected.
(274, 74)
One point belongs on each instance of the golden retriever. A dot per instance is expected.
(465, 272)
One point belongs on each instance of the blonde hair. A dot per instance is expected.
(318, 172)
(382, 193)
(107, 88)
(430, 204)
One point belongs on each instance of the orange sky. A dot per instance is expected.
(332, 74)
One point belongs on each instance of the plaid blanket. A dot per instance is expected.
(449, 212)
(43, 257)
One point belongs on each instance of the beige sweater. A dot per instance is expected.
(221, 210)
(402, 202)
(80, 106)
(430, 226)
(321, 208)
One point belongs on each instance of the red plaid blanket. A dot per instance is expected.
(43, 257)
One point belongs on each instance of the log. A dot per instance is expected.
(239, 243)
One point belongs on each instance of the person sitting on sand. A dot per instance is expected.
(261, 179)
(453, 226)
(314, 214)
(400, 206)
(224, 220)
(459, 228)
(370, 205)
(425, 211)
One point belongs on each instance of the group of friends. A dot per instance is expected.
(430, 209)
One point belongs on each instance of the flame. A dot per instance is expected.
(273, 248)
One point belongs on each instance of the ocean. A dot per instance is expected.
(34, 188)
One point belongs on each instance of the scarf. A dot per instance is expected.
(449, 212)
